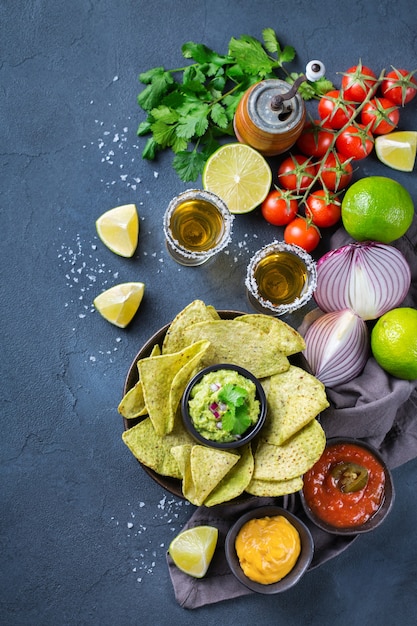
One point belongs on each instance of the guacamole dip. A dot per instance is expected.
(223, 405)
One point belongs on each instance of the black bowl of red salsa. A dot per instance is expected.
(349, 490)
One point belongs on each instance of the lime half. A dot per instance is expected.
(239, 175)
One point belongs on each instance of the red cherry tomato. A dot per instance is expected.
(302, 233)
(296, 172)
(381, 115)
(323, 208)
(337, 172)
(333, 109)
(315, 140)
(399, 86)
(355, 142)
(357, 82)
(279, 207)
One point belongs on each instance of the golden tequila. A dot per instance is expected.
(197, 225)
(281, 277)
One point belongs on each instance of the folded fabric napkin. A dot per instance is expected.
(374, 407)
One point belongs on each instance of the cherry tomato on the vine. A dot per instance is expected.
(381, 115)
(357, 82)
(334, 110)
(315, 140)
(279, 207)
(336, 172)
(399, 86)
(356, 141)
(302, 233)
(323, 208)
(296, 172)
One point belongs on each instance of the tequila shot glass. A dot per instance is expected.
(280, 278)
(197, 225)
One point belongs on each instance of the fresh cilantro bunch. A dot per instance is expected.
(236, 419)
(190, 108)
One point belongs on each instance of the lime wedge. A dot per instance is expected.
(118, 229)
(397, 150)
(119, 304)
(193, 549)
(239, 175)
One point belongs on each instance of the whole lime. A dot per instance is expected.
(394, 342)
(377, 208)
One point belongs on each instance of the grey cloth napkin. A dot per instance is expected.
(374, 407)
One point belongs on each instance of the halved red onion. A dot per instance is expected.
(337, 347)
(370, 278)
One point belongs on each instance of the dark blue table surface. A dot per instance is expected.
(84, 530)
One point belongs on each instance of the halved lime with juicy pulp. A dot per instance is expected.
(239, 175)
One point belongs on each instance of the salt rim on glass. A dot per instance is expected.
(189, 257)
(255, 297)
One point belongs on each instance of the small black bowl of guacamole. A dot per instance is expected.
(224, 406)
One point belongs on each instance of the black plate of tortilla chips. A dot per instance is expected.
(173, 485)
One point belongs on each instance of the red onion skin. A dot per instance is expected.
(351, 347)
(369, 278)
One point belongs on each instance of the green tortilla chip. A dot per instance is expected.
(293, 458)
(274, 488)
(235, 481)
(164, 379)
(155, 451)
(288, 338)
(241, 344)
(156, 350)
(203, 469)
(213, 312)
(195, 312)
(295, 397)
(182, 455)
(133, 403)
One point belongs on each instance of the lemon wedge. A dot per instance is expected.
(239, 175)
(118, 229)
(397, 149)
(119, 304)
(193, 549)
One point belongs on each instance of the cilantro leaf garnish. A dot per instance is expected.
(236, 419)
(188, 107)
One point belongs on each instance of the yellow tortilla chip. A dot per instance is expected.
(133, 403)
(239, 343)
(293, 458)
(295, 397)
(162, 388)
(155, 451)
(274, 488)
(235, 481)
(289, 339)
(195, 312)
(202, 468)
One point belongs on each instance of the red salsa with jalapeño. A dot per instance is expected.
(346, 485)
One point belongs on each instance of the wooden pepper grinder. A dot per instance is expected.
(271, 114)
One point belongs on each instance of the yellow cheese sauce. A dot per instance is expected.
(267, 548)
